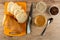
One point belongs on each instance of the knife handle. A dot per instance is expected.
(29, 26)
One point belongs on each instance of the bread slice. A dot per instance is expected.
(10, 4)
(21, 17)
(18, 11)
(15, 7)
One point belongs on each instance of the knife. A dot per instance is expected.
(29, 20)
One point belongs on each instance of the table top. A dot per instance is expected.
(52, 32)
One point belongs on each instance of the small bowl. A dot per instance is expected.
(43, 24)
(51, 7)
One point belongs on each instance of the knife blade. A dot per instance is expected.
(29, 21)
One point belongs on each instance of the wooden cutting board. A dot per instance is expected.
(8, 15)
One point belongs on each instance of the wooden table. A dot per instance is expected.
(52, 32)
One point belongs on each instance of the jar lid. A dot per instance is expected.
(41, 6)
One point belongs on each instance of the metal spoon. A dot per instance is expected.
(48, 22)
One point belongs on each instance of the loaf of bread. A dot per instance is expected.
(17, 11)
(12, 24)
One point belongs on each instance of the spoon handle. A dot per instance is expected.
(44, 30)
(48, 22)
